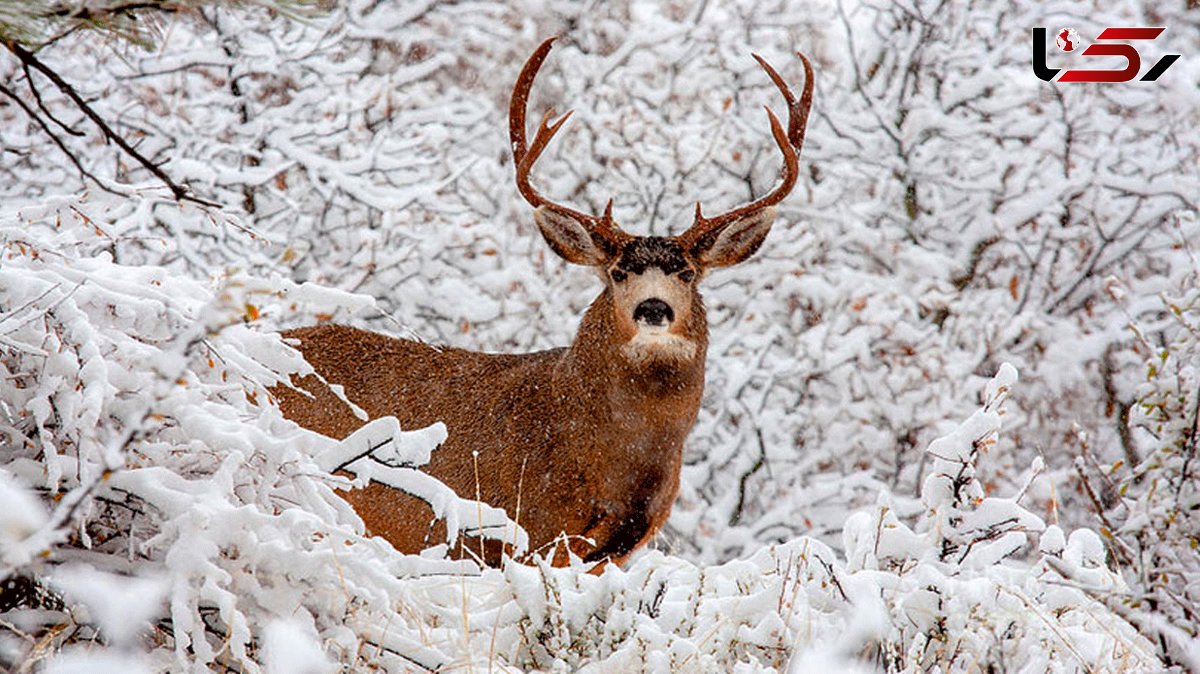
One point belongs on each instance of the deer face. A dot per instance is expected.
(653, 287)
(652, 280)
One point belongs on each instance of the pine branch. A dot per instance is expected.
(39, 23)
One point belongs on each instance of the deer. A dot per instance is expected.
(583, 444)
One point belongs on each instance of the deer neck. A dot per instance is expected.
(666, 391)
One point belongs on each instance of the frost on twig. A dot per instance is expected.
(955, 589)
(136, 403)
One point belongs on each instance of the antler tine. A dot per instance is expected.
(789, 142)
(520, 97)
(525, 162)
(525, 156)
(797, 110)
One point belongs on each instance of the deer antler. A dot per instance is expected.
(600, 227)
(789, 144)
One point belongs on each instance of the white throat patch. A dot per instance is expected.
(652, 344)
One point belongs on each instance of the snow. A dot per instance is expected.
(383, 439)
(21, 514)
(120, 606)
(292, 646)
(79, 660)
(869, 486)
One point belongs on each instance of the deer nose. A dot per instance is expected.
(654, 312)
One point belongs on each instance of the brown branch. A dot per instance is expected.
(37, 96)
(97, 17)
(1116, 545)
(99, 13)
(1118, 407)
(963, 280)
(832, 577)
(57, 141)
(1189, 450)
(180, 192)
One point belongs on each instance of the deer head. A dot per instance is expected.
(652, 280)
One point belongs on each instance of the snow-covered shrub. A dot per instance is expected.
(950, 598)
(185, 511)
(1149, 510)
(954, 213)
(161, 515)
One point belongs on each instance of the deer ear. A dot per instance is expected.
(736, 241)
(567, 237)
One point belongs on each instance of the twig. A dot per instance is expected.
(95, 13)
(736, 516)
(1120, 408)
(1054, 628)
(37, 96)
(369, 450)
(1189, 449)
(180, 192)
(57, 141)
(1091, 494)
(832, 577)
(1115, 544)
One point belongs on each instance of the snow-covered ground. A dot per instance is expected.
(869, 484)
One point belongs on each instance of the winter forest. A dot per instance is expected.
(949, 421)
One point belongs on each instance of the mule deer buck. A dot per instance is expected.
(584, 440)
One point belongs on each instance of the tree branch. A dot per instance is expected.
(37, 96)
(180, 192)
(57, 141)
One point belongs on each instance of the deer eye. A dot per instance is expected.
(618, 275)
(687, 275)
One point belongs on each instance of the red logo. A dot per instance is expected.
(1107, 44)
(1067, 39)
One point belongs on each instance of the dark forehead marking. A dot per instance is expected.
(652, 251)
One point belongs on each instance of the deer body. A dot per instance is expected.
(614, 486)
(584, 440)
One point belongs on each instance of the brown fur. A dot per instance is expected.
(593, 440)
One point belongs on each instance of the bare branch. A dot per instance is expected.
(180, 192)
